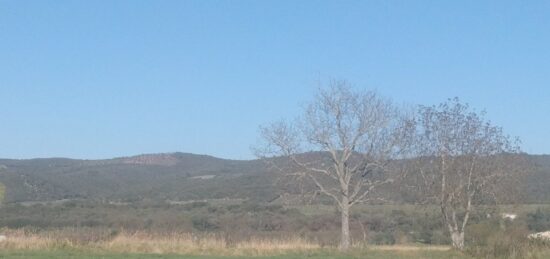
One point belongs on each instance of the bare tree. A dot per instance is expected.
(463, 161)
(356, 134)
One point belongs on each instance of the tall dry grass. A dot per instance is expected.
(151, 243)
(114, 241)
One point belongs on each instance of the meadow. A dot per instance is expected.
(366, 255)
(56, 244)
(143, 230)
(79, 243)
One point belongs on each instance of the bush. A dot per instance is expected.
(204, 224)
(195, 205)
(384, 238)
(509, 244)
(478, 234)
(539, 221)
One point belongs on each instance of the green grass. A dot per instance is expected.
(363, 254)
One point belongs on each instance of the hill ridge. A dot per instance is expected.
(166, 176)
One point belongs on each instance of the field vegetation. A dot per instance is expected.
(259, 230)
(90, 242)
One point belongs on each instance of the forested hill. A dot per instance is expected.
(167, 177)
(173, 176)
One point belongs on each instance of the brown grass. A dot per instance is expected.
(407, 248)
(151, 243)
(98, 240)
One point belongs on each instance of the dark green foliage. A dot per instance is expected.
(539, 220)
(203, 223)
(384, 238)
(195, 205)
(537, 186)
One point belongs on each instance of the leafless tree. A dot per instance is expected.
(463, 161)
(340, 146)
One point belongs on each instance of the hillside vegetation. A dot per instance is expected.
(159, 177)
(171, 177)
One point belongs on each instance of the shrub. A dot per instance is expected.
(384, 238)
(204, 224)
(539, 221)
(510, 244)
(195, 205)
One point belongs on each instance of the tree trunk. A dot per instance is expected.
(345, 238)
(457, 239)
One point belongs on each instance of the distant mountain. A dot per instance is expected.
(167, 176)
(170, 176)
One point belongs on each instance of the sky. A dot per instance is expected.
(102, 79)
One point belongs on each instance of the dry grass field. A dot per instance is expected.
(67, 244)
(76, 243)
(364, 255)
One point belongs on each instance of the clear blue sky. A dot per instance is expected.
(98, 79)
